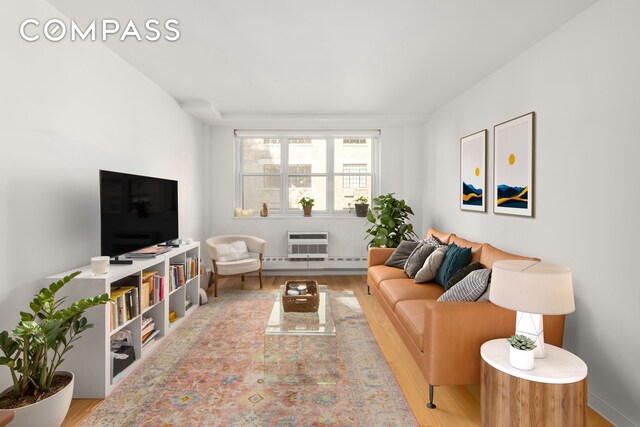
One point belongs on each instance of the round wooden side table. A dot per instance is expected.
(554, 393)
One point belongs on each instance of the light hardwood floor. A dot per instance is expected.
(457, 406)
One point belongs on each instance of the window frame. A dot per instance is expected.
(332, 177)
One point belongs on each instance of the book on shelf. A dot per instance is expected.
(191, 267)
(177, 275)
(150, 252)
(150, 338)
(152, 289)
(124, 306)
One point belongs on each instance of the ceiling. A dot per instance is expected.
(271, 58)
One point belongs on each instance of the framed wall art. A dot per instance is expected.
(473, 177)
(513, 166)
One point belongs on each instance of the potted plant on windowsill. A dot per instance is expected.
(33, 351)
(521, 352)
(389, 216)
(362, 206)
(307, 204)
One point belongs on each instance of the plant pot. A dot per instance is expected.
(361, 210)
(307, 210)
(49, 412)
(521, 359)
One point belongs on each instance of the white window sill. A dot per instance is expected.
(300, 216)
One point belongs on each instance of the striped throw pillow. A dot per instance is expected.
(470, 288)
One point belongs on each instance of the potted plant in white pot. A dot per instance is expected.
(362, 206)
(33, 351)
(521, 352)
(307, 204)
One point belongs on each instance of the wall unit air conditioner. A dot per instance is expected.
(308, 245)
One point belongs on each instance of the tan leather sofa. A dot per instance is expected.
(444, 338)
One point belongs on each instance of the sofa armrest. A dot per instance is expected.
(453, 335)
(455, 331)
(378, 256)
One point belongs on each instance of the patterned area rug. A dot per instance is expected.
(210, 372)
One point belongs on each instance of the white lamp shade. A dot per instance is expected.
(532, 287)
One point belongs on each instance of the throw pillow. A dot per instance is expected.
(469, 288)
(233, 251)
(430, 267)
(433, 240)
(417, 258)
(399, 257)
(461, 274)
(455, 259)
(485, 296)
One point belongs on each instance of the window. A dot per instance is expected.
(351, 181)
(280, 169)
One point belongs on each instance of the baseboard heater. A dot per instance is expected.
(329, 263)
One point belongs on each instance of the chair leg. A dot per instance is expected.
(242, 276)
(431, 405)
(368, 290)
(210, 279)
(215, 283)
(260, 276)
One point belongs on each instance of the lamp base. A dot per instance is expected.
(530, 325)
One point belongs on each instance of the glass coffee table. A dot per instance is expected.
(301, 348)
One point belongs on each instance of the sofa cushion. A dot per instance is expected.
(399, 257)
(431, 265)
(230, 268)
(490, 254)
(443, 237)
(461, 274)
(455, 258)
(417, 258)
(476, 248)
(378, 273)
(395, 290)
(470, 288)
(410, 313)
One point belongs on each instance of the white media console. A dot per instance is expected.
(90, 359)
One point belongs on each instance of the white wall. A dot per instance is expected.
(582, 82)
(68, 110)
(400, 149)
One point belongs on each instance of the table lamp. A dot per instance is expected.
(532, 289)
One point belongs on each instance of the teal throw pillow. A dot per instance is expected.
(455, 258)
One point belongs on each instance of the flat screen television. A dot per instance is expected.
(136, 212)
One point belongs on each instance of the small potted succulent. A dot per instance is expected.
(362, 206)
(33, 352)
(521, 352)
(307, 204)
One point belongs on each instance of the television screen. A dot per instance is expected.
(136, 212)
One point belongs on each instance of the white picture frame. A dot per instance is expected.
(513, 186)
(473, 174)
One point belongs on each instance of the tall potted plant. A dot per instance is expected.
(362, 206)
(307, 204)
(389, 217)
(34, 350)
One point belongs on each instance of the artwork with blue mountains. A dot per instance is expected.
(513, 197)
(471, 196)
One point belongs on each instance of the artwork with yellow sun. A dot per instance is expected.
(472, 171)
(513, 166)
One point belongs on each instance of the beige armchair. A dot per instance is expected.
(256, 247)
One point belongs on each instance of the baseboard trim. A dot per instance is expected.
(305, 272)
(614, 415)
